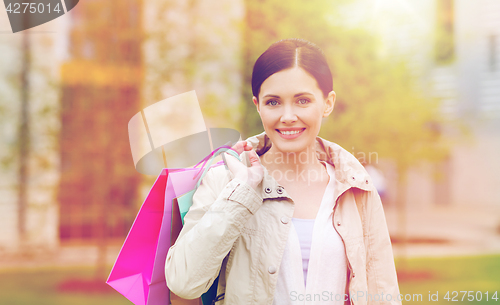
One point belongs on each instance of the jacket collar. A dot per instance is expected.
(348, 170)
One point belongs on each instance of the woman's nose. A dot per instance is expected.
(288, 115)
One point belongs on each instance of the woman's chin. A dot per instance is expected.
(288, 146)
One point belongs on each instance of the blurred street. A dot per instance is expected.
(435, 231)
(65, 256)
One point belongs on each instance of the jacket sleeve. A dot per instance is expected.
(381, 270)
(211, 226)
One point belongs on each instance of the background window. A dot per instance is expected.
(492, 48)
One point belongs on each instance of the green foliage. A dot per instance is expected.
(40, 287)
(378, 109)
(475, 273)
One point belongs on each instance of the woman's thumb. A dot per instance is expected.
(254, 159)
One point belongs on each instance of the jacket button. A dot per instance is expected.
(285, 219)
(279, 190)
(338, 223)
(353, 274)
(353, 179)
(366, 181)
(272, 269)
(267, 190)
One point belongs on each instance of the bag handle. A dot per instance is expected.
(210, 158)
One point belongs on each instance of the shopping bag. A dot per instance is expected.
(132, 272)
(139, 270)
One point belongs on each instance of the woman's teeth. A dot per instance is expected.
(290, 132)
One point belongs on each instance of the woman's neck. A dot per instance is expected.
(297, 166)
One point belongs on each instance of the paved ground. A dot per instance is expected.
(447, 230)
(433, 232)
(66, 256)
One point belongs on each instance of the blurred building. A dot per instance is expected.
(101, 86)
(453, 47)
(92, 70)
(36, 223)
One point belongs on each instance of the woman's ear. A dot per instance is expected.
(256, 102)
(329, 104)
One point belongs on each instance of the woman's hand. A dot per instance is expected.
(252, 175)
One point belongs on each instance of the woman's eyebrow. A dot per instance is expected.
(271, 95)
(296, 95)
(302, 93)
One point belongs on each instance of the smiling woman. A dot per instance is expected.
(284, 97)
(298, 217)
(291, 107)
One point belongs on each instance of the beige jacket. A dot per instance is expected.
(242, 233)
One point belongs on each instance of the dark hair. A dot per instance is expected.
(289, 53)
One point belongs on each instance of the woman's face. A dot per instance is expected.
(291, 106)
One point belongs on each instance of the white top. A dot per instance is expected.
(304, 228)
(327, 265)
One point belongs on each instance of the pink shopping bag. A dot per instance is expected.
(139, 270)
(132, 272)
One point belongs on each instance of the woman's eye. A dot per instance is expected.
(303, 101)
(272, 102)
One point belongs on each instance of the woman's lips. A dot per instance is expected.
(293, 135)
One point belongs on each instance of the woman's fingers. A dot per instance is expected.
(254, 159)
(234, 165)
(248, 146)
(251, 175)
(240, 147)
